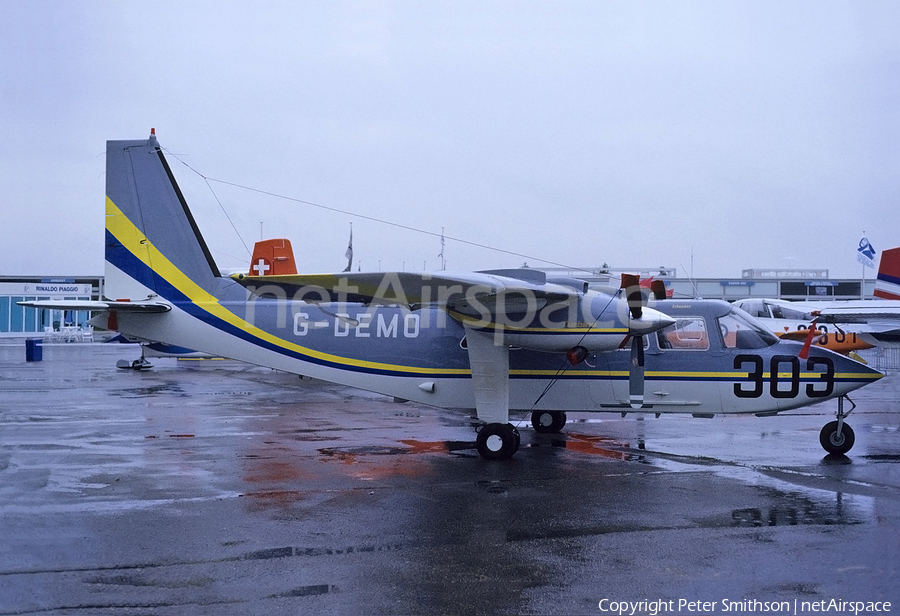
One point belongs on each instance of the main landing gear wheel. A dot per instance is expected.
(548, 421)
(497, 441)
(836, 441)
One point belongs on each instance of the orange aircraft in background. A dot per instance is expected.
(843, 326)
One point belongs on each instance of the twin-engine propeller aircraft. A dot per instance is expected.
(493, 341)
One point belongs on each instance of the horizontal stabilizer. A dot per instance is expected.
(89, 304)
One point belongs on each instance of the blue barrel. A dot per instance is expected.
(33, 349)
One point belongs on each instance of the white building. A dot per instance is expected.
(773, 283)
(17, 321)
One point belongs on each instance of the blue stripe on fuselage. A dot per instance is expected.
(125, 260)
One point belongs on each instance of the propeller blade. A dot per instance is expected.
(804, 352)
(636, 373)
(631, 284)
(659, 289)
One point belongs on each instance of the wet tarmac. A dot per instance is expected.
(215, 487)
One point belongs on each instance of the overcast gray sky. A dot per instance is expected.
(729, 135)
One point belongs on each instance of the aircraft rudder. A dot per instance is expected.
(151, 235)
(272, 257)
(887, 284)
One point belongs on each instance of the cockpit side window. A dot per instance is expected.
(688, 333)
(780, 311)
(739, 331)
(791, 313)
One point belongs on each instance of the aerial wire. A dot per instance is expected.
(398, 225)
(229, 217)
(564, 367)
(216, 197)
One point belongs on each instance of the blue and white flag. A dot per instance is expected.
(865, 254)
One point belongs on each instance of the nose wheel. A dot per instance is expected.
(837, 437)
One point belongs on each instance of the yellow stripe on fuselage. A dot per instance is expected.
(137, 243)
(486, 324)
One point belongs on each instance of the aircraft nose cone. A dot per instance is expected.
(849, 374)
(871, 374)
(651, 320)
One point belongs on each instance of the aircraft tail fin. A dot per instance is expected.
(153, 243)
(887, 285)
(272, 258)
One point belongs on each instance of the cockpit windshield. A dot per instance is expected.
(741, 331)
(786, 312)
(772, 309)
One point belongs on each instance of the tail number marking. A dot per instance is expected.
(365, 325)
(784, 376)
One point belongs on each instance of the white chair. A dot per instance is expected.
(70, 333)
(87, 333)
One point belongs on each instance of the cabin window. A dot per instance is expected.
(688, 333)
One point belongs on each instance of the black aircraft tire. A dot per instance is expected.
(548, 422)
(834, 442)
(497, 441)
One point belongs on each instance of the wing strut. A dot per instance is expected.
(490, 376)
(497, 439)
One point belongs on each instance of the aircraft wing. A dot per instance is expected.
(862, 312)
(89, 304)
(457, 290)
(875, 322)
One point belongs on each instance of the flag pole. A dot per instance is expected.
(862, 287)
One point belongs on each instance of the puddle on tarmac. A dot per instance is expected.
(603, 446)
